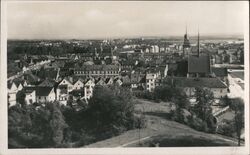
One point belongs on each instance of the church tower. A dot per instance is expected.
(186, 44)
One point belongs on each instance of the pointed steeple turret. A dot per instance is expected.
(186, 40)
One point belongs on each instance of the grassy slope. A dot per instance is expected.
(159, 126)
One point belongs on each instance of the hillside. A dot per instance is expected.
(159, 126)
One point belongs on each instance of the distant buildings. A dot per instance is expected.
(97, 71)
(140, 65)
(215, 85)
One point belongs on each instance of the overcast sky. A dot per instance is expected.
(81, 20)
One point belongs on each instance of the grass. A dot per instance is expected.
(162, 131)
(181, 141)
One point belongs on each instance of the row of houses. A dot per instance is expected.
(50, 90)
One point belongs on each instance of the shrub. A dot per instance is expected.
(226, 128)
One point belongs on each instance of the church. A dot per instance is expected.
(198, 65)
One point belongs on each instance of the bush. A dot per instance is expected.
(140, 122)
(226, 128)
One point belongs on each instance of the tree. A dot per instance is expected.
(34, 127)
(203, 108)
(110, 110)
(57, 125)
(20, 97)
(167, 92)
(237, 106)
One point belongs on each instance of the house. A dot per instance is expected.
(100, 81)
(151, 81)
(45, 94)
(79, 84)
(63, 89)
(68, 82)
(88, 89)
(30, 95)
(14, 87)
(12, 91)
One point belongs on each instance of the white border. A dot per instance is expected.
(170, 150)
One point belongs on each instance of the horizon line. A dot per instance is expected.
(239, 36)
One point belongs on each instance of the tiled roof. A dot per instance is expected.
(199, 64)
(48, 83)
(198, 82)
(43, 91)
(238, 74)
(219, 72)
(29, 89)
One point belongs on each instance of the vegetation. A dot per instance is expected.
(182, 141)
(34, 127)
(110, 112)
(238, 107)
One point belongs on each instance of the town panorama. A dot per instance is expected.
(130, 92)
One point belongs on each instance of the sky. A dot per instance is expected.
(109, 19)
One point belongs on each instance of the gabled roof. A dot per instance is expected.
(43, 91)
(199, 64)
(107, 80)
(80, 80)
(29, 89)
(31, 78)
(48, 83)
(18, 81)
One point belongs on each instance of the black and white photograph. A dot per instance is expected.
(125, 74)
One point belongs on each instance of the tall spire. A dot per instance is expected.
(198, 43)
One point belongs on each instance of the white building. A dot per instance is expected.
(12, 91)
(30, 95)
(151, 81)
(79, 84)
(45, 94)
(88, 89)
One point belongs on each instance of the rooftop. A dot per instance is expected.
(199, 64)
(198, 82)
